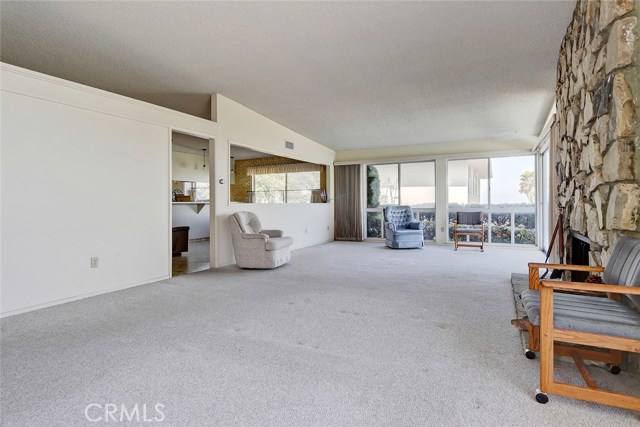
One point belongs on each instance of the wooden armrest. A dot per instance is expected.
(572, 267)
(534, 274)
(593, 287)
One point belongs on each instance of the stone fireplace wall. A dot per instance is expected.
(596, 133)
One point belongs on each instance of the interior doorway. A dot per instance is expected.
(190, 204)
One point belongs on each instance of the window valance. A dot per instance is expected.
(283, 168)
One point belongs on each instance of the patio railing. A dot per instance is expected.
(505, 224)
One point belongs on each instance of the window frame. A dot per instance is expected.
(489, 211)
(416, 211)
(285, 191)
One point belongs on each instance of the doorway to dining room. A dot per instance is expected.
(190, 204)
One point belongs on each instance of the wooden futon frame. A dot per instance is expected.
(549, 339)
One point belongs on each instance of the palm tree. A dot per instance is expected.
(528, 185)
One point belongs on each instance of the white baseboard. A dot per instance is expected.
(78, 297)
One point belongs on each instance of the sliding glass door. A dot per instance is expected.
(513, 200)
(467, 188)
(501, 187)
(418, 190)
(382, 190)
(410, 184)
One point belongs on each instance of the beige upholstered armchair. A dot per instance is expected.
(255, 247)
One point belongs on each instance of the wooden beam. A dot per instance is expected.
(594, 287)
(596, 340)
(586, 376)
(546, 339)
(572, 267)
(534, 278)
(599, 396)
(613, 357)
(534, 338)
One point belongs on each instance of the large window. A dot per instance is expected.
(410, 184)
(289, 187)
(269, 188)
(256, 177)
(503, 188)
(468, 183)
(386, 182)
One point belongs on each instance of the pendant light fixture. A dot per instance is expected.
(204, 158)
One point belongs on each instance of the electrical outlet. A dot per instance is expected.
(94, 262)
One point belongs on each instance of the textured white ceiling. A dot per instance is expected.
(348, 75)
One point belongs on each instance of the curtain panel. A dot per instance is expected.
(348, 206)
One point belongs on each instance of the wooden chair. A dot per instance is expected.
(468, 224)
(578, 321)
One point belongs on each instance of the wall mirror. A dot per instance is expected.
(257, 177)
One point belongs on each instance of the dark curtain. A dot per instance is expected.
(348, 206)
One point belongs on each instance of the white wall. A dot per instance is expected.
(188, 167)
(84, 173)
(90, 185)
(308, 224)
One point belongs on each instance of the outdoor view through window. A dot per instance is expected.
(401, 183)
(263, 178)
(285, 187)
(501, 187)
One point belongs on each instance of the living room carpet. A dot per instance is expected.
(346, 334)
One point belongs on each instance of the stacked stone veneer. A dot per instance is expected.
(596, 132)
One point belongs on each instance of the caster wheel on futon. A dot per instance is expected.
(614, 369)
(541, 397)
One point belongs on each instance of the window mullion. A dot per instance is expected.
(489, 184)
(399, 184)
(286, 186)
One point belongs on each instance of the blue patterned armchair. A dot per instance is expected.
(400, 229)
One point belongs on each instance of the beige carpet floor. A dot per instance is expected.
(347, 334)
